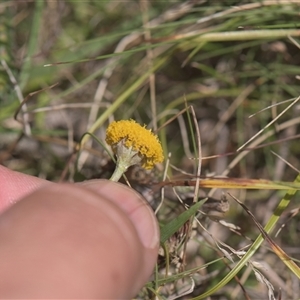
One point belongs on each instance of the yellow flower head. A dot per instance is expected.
(139, 140)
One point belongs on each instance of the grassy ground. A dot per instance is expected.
(229, 68)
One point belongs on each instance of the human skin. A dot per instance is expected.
(98, 239)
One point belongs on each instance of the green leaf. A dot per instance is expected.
(169, 229)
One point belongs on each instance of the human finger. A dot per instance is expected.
(70, 241)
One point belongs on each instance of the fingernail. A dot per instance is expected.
(134, 205)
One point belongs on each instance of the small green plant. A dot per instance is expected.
(69, 69)
(132, 144)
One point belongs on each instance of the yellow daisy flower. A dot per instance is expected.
(133, 144)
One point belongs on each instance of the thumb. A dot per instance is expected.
(96, 240)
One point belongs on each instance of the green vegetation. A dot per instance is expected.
(229, 69)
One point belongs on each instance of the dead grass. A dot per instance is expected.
(118, 60)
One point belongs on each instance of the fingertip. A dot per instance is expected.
(15, 185)
(140, 214)
(134, 205)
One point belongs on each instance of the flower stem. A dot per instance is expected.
(116, 174)
(120, 169)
